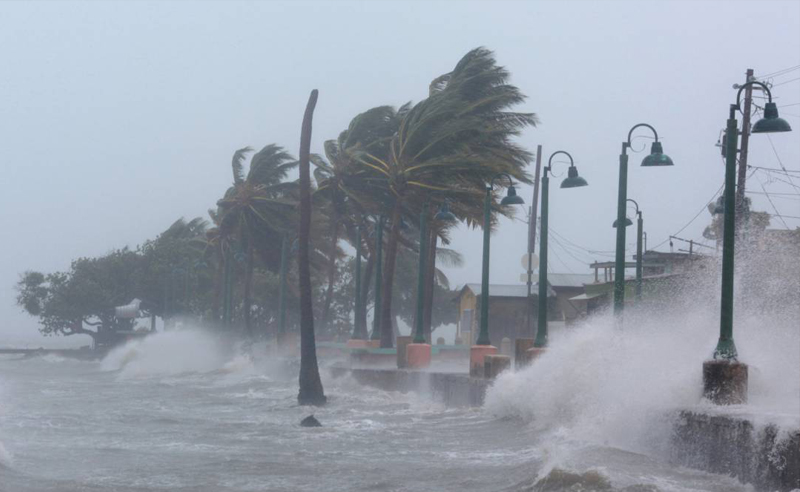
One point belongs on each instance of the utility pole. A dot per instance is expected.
(532, 233)
(742, 178)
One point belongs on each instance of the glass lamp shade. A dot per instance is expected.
(657, 157)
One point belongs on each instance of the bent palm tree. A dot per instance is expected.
(256, 207)
(452, 144)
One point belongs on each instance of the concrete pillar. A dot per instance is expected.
(493, 365)
(476, 355)
(725, 382)
(521, 346)
(418, 355)
(534, 353)
(505, 347)
(402, 346)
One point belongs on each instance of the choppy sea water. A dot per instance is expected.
(177, 413)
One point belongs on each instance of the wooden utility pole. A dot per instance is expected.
(532, 233)
(742, 178)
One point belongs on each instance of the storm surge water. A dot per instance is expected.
(610, 386)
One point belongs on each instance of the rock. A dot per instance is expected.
(310, 421)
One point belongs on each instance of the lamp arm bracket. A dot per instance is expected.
(639, 125)
(496, 176)
(550, 161)
(746, 85)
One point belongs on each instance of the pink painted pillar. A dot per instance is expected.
(476, 355)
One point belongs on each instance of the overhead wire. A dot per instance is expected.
(779, 72)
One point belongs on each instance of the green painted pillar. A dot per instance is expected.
(726, 349)
(483, 335)
(619, 267)
(639, 229)
(541, 331)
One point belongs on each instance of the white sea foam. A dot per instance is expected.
(621, 387)
(167, 353)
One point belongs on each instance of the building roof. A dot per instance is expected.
(505, 290)
(569, 279)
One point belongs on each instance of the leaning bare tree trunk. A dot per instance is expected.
(248, 287)
(430, 272)
(311, 392)
(388, 278)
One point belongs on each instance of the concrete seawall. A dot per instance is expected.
(764, 456)
(452, 389)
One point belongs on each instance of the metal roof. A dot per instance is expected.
(570, 279)
(503, 290)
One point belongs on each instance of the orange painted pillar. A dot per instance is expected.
(419, 355)
(476, 355)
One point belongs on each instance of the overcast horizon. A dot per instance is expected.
(120, 118)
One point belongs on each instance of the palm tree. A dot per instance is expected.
(311, 391)
(452, 144)
(256, 208)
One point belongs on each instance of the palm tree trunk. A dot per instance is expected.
(326, 308)
(366, 282)
(430, 271)
(311, 392)
(388, 278)
(217, 288)
(248, 284)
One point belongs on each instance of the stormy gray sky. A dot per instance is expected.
(116, 118)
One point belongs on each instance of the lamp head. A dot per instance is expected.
(512, 198)
(628, 222)
(657, 157)
(771, 122)
(444, 214)
(573, 180)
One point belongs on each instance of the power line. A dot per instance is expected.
(705, 207)
(771, 203)
(786, 82)
(774, 194)
(779, 72)
(773, 169)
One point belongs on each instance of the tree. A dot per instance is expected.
(257, 209)
(450, 144)
(311, 391)
(82, 300)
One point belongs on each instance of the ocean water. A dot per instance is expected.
(179, 412)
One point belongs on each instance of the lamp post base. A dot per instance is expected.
(476, 355)
(725, 382)
(419, 355)
(535, 352)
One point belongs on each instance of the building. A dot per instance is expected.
(512, 314)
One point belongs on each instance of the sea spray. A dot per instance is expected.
(168, 353)
(621, 386)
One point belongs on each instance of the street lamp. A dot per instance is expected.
(724, 378)
(419, 352)
(656, 158)
(571, 181)
(358, 330)
(639, 235)
(482, 346)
